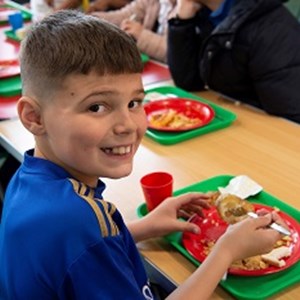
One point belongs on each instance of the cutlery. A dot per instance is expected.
(273, 225)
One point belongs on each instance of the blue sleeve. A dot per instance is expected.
(105, 271)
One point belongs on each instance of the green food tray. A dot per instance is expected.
(223, 118)
(145, 58)
(11, 86)
(241, 287)
(26, 13)
(11, 35)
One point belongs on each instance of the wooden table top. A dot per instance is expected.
(265, 148)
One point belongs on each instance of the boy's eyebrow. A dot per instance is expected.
(111, 92)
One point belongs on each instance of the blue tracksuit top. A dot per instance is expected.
(60, 240)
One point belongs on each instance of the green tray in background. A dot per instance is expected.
(223, 118)
(11, 35)
(145, 58)
(26, 13)
(11, 86)
(241, 287)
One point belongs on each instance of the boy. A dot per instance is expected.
(82, 101)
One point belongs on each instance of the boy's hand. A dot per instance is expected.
(132, 28)
(164, 218)
(253, 235)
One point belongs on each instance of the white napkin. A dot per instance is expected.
(241, 186)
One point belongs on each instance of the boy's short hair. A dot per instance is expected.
(70, 42)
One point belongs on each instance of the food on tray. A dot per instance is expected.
(21, 33)
(285, 241)
(233, 209)
(258, 262)
(172, 119)
(213, 196)
(250, 263)
(274, 257)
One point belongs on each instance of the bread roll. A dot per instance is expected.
(233, 209)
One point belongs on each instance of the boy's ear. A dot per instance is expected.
(29, 112)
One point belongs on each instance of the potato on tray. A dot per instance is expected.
(233, 209)
(172, 119)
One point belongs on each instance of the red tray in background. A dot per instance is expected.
(154, 72)
(8, 107)
(9, 68)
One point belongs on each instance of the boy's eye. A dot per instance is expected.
(135, 103)
(96, 108)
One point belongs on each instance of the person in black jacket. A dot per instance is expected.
(248, 50)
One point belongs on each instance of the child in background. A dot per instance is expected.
(106, 5)
(147, 22)
(42, 8)
(59, 239)
(247, 50)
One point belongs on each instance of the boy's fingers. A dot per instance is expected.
(189, 227)
(277, 219)
(262, 212)
(192, 198)
(183, 214)
(263, 221)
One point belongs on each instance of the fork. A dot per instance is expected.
(273, 225)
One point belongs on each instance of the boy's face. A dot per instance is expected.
(94, 126)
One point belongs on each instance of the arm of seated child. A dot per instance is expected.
(187, 9)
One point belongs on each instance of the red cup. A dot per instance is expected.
(156, 187)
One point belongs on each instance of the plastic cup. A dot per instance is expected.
(156, 187)
(16, 21)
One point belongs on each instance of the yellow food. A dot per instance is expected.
(250, 263)
(172, 119)
(233, 209)
(258, 262)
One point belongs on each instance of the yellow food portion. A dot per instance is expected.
(258, 262)
(172, 119)
(233, 209)
(21, 32)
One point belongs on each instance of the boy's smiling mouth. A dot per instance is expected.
(122, 150)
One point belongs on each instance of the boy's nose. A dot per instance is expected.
(124, 124)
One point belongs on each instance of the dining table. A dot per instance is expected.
(266, 148)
